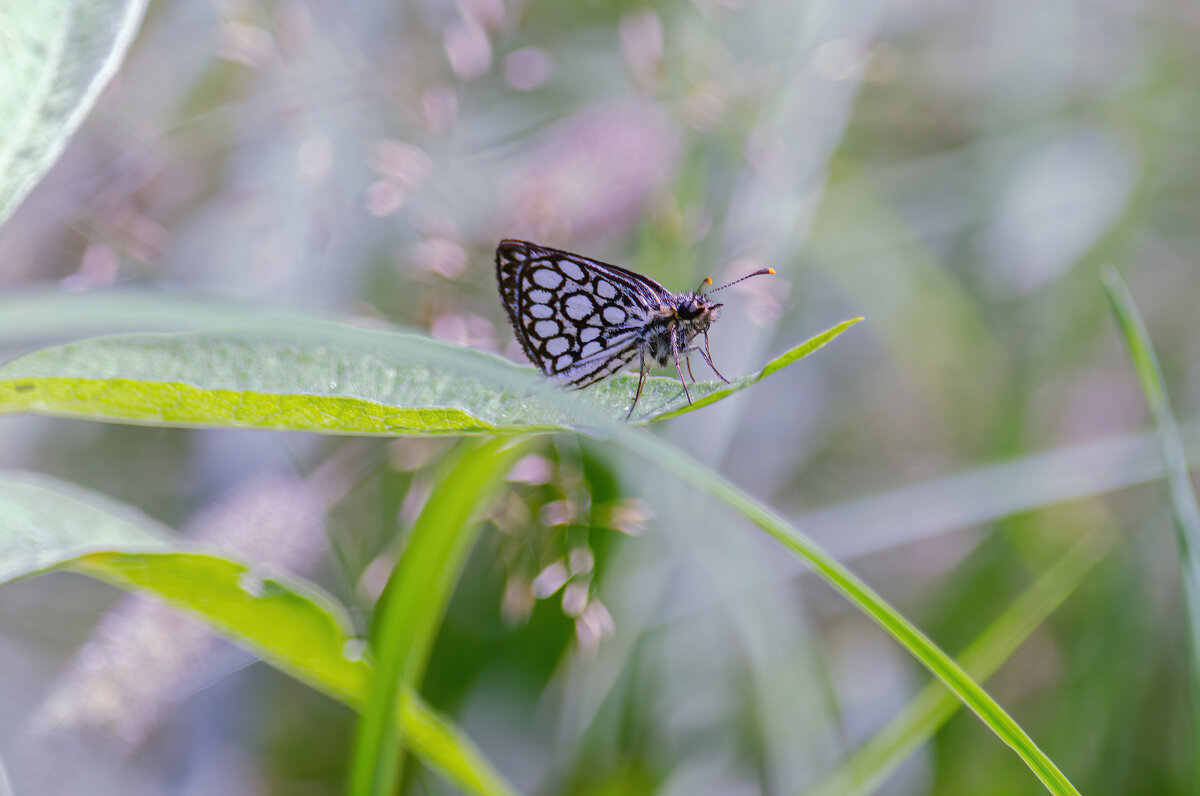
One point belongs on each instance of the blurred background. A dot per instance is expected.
(957, 172)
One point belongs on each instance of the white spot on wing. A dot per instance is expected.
(579, 306)
(547, 278)
(605, 289)
(557, 345)
(572, 270)
(614, 315)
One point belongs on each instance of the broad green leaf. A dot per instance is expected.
(290, 624)
(861, 596)
(414, 601)
(44, 522)
(870, 765)
(55, 57)
(327, 377)
(36, 316)
(1183, 499)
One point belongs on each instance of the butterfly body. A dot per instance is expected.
(579, 320)
(684, 316)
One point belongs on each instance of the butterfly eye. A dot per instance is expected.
(690, 309)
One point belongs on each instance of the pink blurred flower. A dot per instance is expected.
(642, 47)
(486, 13)
(440, 256)
(528, 68)
(439, 109)
(467, 49)
(465, 329)
(402, 162)
(593, 173)
(593, 626)
(99, 267)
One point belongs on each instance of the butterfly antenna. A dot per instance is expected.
(759, 272)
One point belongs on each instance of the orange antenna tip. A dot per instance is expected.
(708, 280)
(759, 272)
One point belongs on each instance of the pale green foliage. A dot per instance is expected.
(57, 57)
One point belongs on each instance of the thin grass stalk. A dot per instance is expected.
(870, 766)
(414, 601)
(860, 595)
(1184, 508)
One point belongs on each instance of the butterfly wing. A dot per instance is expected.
(577, 319)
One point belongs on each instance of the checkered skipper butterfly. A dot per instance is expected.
(581, 321)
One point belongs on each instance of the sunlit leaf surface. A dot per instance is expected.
(331, 378)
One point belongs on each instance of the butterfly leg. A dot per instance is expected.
(708, 358)
(641, 381)
(688, 359)
(679, 369)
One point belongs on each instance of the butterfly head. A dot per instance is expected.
(698, 309)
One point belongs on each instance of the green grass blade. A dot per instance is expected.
(57, 57)
(863, 597)
(706, 393)
(291, 624)
(871, 764)
(411, 607)
(1183, 499)
(331, 378)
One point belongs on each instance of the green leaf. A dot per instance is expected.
(1184, 508)
(36, 316)
(861, 596)
(56, 56)
(706, 393)
(870, 765)
(316, 376)
(44, 522)
(414, 601)
(290, 624)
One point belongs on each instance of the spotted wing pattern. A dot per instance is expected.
(577, 319)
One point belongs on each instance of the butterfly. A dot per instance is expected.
(580, 320)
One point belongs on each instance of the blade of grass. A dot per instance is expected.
(414, 601)
(862, 596)
(1184, 508)
(871, 764)
(720, 391)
